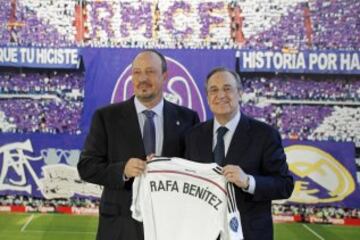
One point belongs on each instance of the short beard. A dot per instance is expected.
(148, 98)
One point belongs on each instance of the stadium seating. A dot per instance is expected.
(265, 25)
(306, 107)
(48, 102)
(327, 88)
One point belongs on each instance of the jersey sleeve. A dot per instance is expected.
(141, 206)
(137, 199)
(232, 229)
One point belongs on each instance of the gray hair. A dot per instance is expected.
(224, 69)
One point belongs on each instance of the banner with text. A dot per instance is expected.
(36, 57)
(338, 62)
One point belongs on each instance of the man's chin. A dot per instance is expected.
(221, 109)
(145, 97)
(223, 113)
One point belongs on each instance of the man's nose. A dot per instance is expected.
(221, 93)
(143, 77)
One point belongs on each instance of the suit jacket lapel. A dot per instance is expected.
(239, 142)
(132, 127)
(205, 145)
(170, 127)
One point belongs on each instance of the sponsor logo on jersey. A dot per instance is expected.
(234, 224)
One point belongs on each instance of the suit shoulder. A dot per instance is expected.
(183, 113)
(261, 126)
(182, 108)
(201, 127)
(114, 108)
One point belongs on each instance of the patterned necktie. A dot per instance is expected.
(149, 132)
(219, 150)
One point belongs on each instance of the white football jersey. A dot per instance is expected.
(179, 199)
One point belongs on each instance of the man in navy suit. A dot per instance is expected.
(250, 151)
(118, 143)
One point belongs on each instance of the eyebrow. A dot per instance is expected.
(147, 68)
(225, 85)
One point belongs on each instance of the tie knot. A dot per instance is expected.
(221, 131)
(149, 114)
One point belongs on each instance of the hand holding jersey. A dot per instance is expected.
(236, 175)
(134, 167)
(180, 200)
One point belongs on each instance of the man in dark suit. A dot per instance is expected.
(250, 151)
(123, 134)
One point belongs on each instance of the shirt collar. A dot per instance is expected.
(230, 125)
(158, 109)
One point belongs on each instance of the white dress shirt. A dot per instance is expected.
(231, 126)
(158, 122)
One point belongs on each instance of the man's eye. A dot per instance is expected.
(213, 91)
(227, 89)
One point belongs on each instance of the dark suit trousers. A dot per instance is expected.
(119, 228)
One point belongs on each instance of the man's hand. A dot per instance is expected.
(134, 167)
(150, 156)
(236, 175)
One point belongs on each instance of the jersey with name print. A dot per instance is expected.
(179, 199)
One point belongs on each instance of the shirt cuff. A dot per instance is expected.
(125, 178)
(252, 185)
